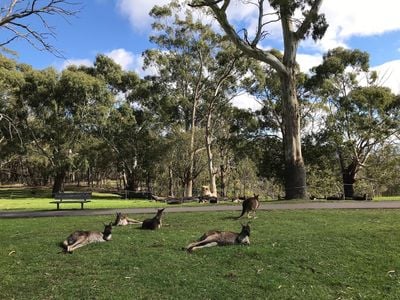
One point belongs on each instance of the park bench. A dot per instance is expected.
(72, 197)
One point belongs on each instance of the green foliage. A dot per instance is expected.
(359, 118)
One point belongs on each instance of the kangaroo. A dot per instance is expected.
(123, 220)
(155, 222)
(250, 205)
(82, 238)
(221, 238)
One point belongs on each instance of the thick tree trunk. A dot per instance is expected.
(188, 188)
(348, 186)
(131, 182)
(295, 174)
(211, 173)
(349, 178)
(58, 182)
(171, 183)
(223, 181)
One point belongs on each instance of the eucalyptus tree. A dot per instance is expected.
(11, 79)
(197, 69)
(11, 135)
(360, 117)
(381, 178)
(59, 110)
(131, 129)
(294, 30)
(264, 84)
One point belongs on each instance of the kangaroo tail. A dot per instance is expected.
(243, 212)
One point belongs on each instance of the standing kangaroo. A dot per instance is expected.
(123, 220)
(82, 238)
(221, 238)
(250, 205)
(155, 222)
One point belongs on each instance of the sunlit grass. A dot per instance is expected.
(333, 254)
(39, 199)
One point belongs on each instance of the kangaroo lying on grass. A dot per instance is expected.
(123, 220)
(155, 222)
(221, 238)
(82, 238)
(250, 205)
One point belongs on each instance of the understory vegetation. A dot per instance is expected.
(333, 254)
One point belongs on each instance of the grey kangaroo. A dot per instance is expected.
(250, 205)
(123, 220)
(221, 238)
(155, 222)
(82, 238)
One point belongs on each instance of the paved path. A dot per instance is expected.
(264, 206)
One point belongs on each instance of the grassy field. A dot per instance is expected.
(39, 199)
(352, 254)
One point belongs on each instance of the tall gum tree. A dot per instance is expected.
(200, 68)
(360, 119)
(294, 30)
(59, 109)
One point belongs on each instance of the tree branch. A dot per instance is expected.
(249, 50)
(16, 19)
(310, 18)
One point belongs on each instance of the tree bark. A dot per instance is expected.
(212, 176)
(349, 178)
(223, 181)
(58, 181)
(170, 182)
(295, 175)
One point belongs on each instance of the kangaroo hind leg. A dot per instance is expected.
(203, 245)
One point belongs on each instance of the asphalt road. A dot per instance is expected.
(207, 207)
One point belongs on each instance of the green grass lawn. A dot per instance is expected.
(27, 199)
(39, 199)
(351, 254)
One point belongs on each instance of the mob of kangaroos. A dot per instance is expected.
(209, 239)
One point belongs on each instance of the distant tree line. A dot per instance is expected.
(177, 130)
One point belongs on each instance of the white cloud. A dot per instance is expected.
(246, 101)
(126, 59)
(307, 61)
(389, 75)
(345, 18)
(122, 57)
(357, 18)
(137, 12)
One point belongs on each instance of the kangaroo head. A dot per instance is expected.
(159, 212)
(245, 230)
(107, 231)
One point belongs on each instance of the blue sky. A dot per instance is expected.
(121, 29)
